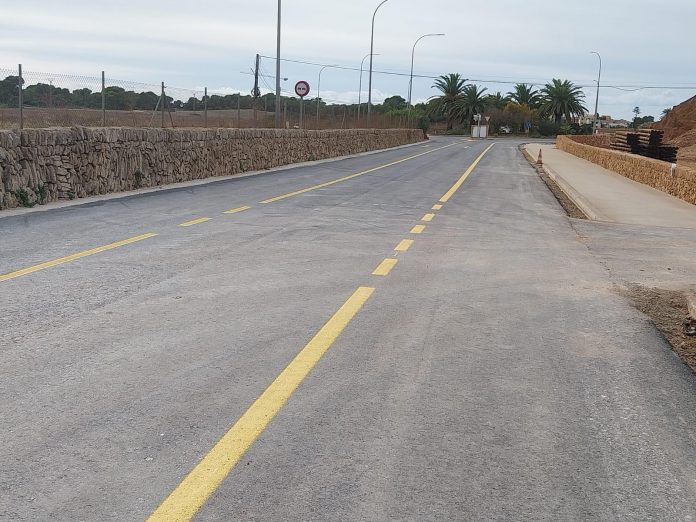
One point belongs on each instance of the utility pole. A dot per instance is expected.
(277, 100)
(596, 107)
(162, 106)
(255, 93)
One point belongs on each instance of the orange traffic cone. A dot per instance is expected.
(539, 160)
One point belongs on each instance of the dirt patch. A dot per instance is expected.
(667, 310)
(566, 203)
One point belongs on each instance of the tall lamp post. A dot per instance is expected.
(319, 91)
(413, 52)
(360, 86)
(277, 100)
(596, 107)
(372, 50)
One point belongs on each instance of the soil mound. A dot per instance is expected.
(680, 129)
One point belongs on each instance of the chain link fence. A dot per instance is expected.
(30, 99)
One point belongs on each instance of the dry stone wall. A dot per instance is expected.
(679, 182)
(80, 162)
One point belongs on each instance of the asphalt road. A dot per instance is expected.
(252, 366)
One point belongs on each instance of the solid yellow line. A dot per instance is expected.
(437, 206)
(195, 222)
(404, 245)
(428, 217)
(455, 187)
(236, 210)
(346, 178)
(385, 267)
(73, 257)
(185, 501)
(417, 229)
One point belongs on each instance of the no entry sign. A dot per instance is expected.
(302, 88)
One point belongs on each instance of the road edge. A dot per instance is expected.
(14, 212)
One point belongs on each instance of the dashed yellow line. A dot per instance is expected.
(185, 501)
(346, 178)
(404, 245)
(428, 217)
(385, 267)
(236, 210)
(195, 222)
(437, 206)
(73, 257)
(462, 179)
(418, 229)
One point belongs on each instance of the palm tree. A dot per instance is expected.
(562, 99)
(451, 87)
(497, 100)
(665, 112)
(524, 94)
(472, 101)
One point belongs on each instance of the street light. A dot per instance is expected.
(360, 87)
(599, 77)
(319, 90)
(372, 50)
(413, 52)
(277, 100)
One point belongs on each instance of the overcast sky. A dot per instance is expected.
(212, 43)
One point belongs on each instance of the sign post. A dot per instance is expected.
(302, 90)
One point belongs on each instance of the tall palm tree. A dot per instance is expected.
(451, 87)
(472, 101)
(524, 94)
(497, 100)
(562, 99)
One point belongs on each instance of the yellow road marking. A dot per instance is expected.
(236, 210)
(190, 495)
(195, 222)
(73, 257)
(462, 179)
(417, 229)
(437, 206)
(346, 178)
(404, 245)
(385, 267)
(428, 217)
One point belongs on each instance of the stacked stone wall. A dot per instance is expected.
(679, 181)
(80, 162)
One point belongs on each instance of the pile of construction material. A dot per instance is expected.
(645, 142)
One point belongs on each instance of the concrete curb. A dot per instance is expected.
(578, 199)
(14, 212)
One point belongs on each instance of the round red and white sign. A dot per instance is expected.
(302, 88)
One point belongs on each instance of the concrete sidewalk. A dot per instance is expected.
(604, 195)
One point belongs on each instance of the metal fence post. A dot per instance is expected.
(239, 110)
(21, 99)
(205, 107)
(162, 106)
(103, 96)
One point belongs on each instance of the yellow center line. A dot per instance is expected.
(346, 178)
(385, 267)
(237, 210)
(190, 495)
(195, 222)
(73, 257)
(428, 217)
(437, 206)
(418, 229)
(462, 179)
(404, 245)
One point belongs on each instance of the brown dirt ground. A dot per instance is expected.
(680, 129)
(667, 311)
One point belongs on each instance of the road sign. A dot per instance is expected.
(302, 88)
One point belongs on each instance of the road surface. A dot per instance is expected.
(392, 336)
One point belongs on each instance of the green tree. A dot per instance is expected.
(524, 94)
(451, 87)
(394, 103)
(9, 91)
(562, 99)
(497, 101)
(472, 101)
(665, 113)
(636, 112)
